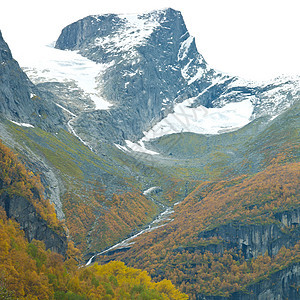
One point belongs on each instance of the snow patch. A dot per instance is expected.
(123, 148)
(184, 48)
(202, 120)
(22, 124)
(185, 69)
(32, 95)
(150, 190)
(63, 108)
(139, 148)
(197, 76)
(135, 31)
(75, 134)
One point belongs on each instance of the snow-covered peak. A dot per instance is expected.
(133, 31)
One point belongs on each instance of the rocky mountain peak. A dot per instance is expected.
(4, 50)
(20, 100)
(149, 61)
(144, 69)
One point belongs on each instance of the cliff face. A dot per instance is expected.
(20, 100)
(30, 221)
(256, 239)
(279, 286)
(151, 63)
(22, 199)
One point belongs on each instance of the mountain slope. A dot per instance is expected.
(136, 121)
(28, 271)
(226, 235)
(86, 189)
(22, 199)
(143, 74)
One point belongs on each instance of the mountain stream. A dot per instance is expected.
(161, 220)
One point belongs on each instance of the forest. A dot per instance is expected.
(190, 252)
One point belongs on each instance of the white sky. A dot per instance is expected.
(255, 39)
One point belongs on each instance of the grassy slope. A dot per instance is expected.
(102, 194)
(247, 150)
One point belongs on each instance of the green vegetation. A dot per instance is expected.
(237, 179)
(93, 183)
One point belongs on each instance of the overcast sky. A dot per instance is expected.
(256, 39)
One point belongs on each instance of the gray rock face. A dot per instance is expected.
(257, 239)
(30, 221)
(254, 240)
(279, 286)
(53, 186)
(20, 100)
(152, 63)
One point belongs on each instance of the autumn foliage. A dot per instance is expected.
(28, 271)
(16, 180)
(176, 251)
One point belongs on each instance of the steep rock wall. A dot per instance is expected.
(30, 221)
(281, 285)
(20, 100)
(256, 239)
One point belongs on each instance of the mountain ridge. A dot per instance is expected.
(105, 100)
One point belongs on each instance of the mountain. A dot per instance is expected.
(21, 101)
(151, 65)
(153, 158)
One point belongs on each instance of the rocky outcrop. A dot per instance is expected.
(281, 285)
(30, 221)
(20, 100)
(256, 239)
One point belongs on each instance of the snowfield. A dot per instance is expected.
(199, 120)
(202, 120)
(47, 64)
(23, 124)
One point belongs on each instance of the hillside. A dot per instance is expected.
(226, 235)
(28, 271)
(21, 196)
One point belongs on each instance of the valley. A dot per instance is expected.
(151, 158)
